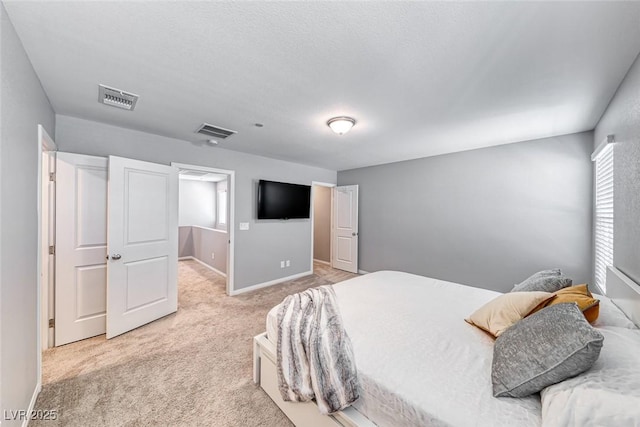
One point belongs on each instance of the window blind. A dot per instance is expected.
(604, 215)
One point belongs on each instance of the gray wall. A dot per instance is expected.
(185, 241)
(24, 106)
(259, 250)
(207, 241)
(322, 223)
(487, 217)
(197, 205)
(201, 242)
(622, 118)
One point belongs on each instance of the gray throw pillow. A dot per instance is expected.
(544, 273)
(545, 348)
(544, 281)
(551, 272)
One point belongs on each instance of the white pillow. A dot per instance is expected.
(606, 395)
(611, 315)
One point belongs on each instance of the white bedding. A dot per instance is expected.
(419, 362)
(611, 315)
(608, 394)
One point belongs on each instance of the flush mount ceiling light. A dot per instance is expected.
(341, 125)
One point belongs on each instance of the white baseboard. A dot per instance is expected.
(271, 283)
(321, 261)
(362, 272)
(32, 404)
(203, 263)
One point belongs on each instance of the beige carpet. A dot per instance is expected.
(191, 368)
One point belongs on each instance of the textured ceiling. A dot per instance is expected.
(421, 78)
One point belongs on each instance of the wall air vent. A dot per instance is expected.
(117, 98)
(215, 131)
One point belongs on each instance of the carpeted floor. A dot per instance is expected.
(191, 368)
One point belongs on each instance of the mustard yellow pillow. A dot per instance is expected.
(579, 294)
(506, 310)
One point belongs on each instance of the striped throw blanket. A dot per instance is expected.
(315, 357)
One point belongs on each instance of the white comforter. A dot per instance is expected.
(419, 362)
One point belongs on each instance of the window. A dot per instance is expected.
(603, 214)
(222, 208)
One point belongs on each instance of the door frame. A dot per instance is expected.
(329, 185)
(231, 202)
(45, 144)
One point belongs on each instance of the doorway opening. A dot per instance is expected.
(206, 218)
(343, 226)
(321, 225)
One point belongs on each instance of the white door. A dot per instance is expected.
(345, 228)
(143, 243)
(81, 247)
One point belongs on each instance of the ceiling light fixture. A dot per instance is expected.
(341, 125)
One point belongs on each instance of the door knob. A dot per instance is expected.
(116, 256)
(354, 234)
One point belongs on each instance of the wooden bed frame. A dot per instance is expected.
(623, 291)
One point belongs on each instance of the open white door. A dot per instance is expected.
(81, 247)
(345, 228)
(142, 283)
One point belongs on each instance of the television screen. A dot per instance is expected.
(279, 200)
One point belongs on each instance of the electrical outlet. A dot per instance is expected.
(213, 255)
(281, 264)
(288, 263)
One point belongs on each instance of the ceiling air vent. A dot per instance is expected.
(117, 98)
(215, 131)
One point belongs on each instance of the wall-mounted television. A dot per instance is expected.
(280, 200)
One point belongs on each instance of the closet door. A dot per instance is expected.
(142, 277)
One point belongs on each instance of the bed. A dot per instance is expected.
(419, 363)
